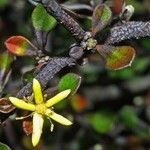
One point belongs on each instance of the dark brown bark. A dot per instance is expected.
(129, 30)
(63, 18)
(47, 73)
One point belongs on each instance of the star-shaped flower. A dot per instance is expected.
(41, 109)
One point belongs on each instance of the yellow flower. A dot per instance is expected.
(41, 109)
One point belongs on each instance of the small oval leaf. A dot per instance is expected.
(117, 57)
(27, 127)
(79, 103)
(102, 122)
(19, 46)
(101, 17)
(5, 61)
(117, 6)
(70, 81)
(129, 117)
(6, 109)
(41, 20)
(5, 69)
(4, 147)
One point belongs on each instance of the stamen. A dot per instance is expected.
(52, 125)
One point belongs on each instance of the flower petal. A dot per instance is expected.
(60, 119)
(22, 104)
(57, 98)
(37, 92)
(37, 128)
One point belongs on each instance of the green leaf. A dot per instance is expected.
(5, 61)
(4, 147)
(117, 57)
(41, 20)
(5, 69)
(3, 3)
(70, 81)
(102, 122)
(129, 117)
(28, 76)
(101, 17)
(145, 43)
(143, 132)
(141, 64)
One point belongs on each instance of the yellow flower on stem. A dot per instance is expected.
(41, 109)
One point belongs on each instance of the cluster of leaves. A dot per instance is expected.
(115, 57)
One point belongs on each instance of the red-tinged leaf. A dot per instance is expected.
(117, 6)
(79, 103)
(6, 109)
(134, 140)
(20, 46)
(6, 106)
(27, 127)
(101, 17)
(117, 57)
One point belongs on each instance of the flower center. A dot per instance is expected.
(91, 43)
(41, 109)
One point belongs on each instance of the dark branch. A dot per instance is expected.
(129, 30)
(47, 73)
(63, 18)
